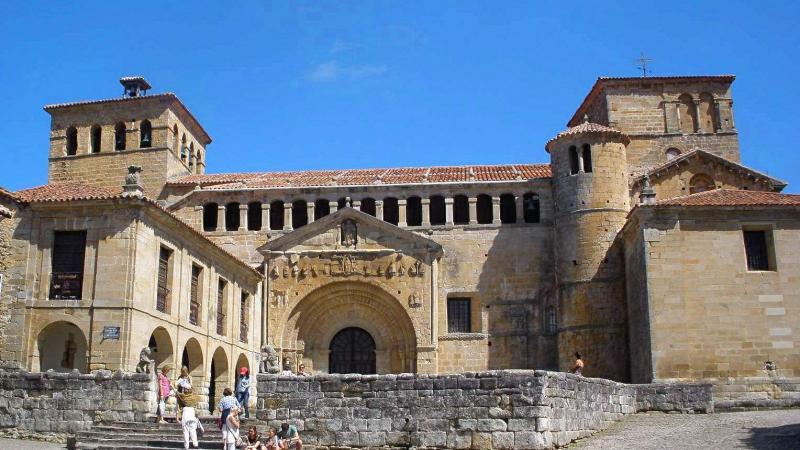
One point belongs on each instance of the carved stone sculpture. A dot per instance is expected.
(349, 233)
(269, 360)
(146, 363)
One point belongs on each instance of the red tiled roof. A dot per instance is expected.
(588, 128)
(76, 191)
(359, 177)
(732, 197)
(8, 194)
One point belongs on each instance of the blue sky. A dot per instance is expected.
(303, 85)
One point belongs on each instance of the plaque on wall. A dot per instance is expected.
(66, 286)
(111, 333)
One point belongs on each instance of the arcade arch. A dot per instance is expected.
(62, 347)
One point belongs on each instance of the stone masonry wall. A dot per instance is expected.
(512, 409)
(67, 402)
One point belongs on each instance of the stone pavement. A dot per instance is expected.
(18, 444)
(762, 430)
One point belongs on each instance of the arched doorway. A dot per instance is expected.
(352, 351)
(192, 359)
(62, 348)
(219, 378)
(161, 345)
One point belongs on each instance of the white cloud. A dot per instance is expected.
(333, 71)
(327, 71)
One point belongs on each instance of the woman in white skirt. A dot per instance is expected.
(189, 420)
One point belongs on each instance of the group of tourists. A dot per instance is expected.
(230, 407)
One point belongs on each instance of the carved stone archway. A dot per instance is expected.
(312, 324)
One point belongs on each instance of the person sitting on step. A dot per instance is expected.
(253, 441)
(290, 437)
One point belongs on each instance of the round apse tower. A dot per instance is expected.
(590, 191)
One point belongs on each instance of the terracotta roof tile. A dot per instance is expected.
(362, 177)
(588, 128)
(733, 197)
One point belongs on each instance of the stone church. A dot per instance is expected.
(644, 244)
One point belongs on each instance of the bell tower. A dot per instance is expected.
(93, 141)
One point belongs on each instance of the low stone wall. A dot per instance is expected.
(68, 402)
(510, 409)
(757, 392)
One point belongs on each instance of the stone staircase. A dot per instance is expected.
(153, 436)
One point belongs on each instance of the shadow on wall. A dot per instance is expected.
(780, 437)
(516, 287)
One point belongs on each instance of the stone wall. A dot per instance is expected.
(757, 392)
(513, 409)
(68, 402)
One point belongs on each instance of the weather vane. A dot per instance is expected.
(643, 61)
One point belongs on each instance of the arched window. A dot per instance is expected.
(701, 183)
(210, 216)
(299, 213)
(72, 141)
(530, 207)
(587, 158)
(687, 113)
(254, 216)
(550, 324)
(276, 215)
(184, 149)
(119, 137)
(437, 210)
(573, 160)
(708, 113)
(508, 209)
(341, 203)
(97, 138)
(322, 208)
(460, 209)
(391, 211)
(145, 134)
(368, 206)
(414, 211)
(484, 208)
(232, 216)
(672, 153)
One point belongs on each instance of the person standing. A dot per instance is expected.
(577, 368)
(227, 403)
(243, 391)
(301, 371)
(164, 391)
(190, 422)
(184, 383)
(230, 430)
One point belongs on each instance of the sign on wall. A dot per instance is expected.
(110, 333)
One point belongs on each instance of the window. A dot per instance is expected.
(145, 134)
(72, 141)
(460, 209)
(484, 208)
(341, 203)
(243, 316)
(459, 315)
(672, 153)
(414, 211)
(550, 325)
(299, 214)
(210, 216)
(322, 208)
(254, 216)
(437, 210)
(97, 138)
(368, 206)
(163, 290)
(573, 160)
(194, 295)
(276, 215)
(232, 216)
(508, 209)
(221, 290)
(759, 249)
(69, 250)
(530, 207)
(708, 113)
(391, 210)
(687, 113)
(587, 158)
(184, 149)
(119, 137)
(701, 183)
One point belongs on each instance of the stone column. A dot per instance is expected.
(496, 210)
(473, 210)
(579, 150)
(518, 200)
(401, 213)
(287, 215)
(426, 212)
(265, 222)
(356, 204)
(310, 211)
(333, 205)
(198, 210)
(221, 218)
(242, 216)
(379, 209)
(698, 127)
(448, 210)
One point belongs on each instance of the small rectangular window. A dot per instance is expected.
(194, 295)
(163, 290)
(459, 316)
(759, 250)
(69, 251)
